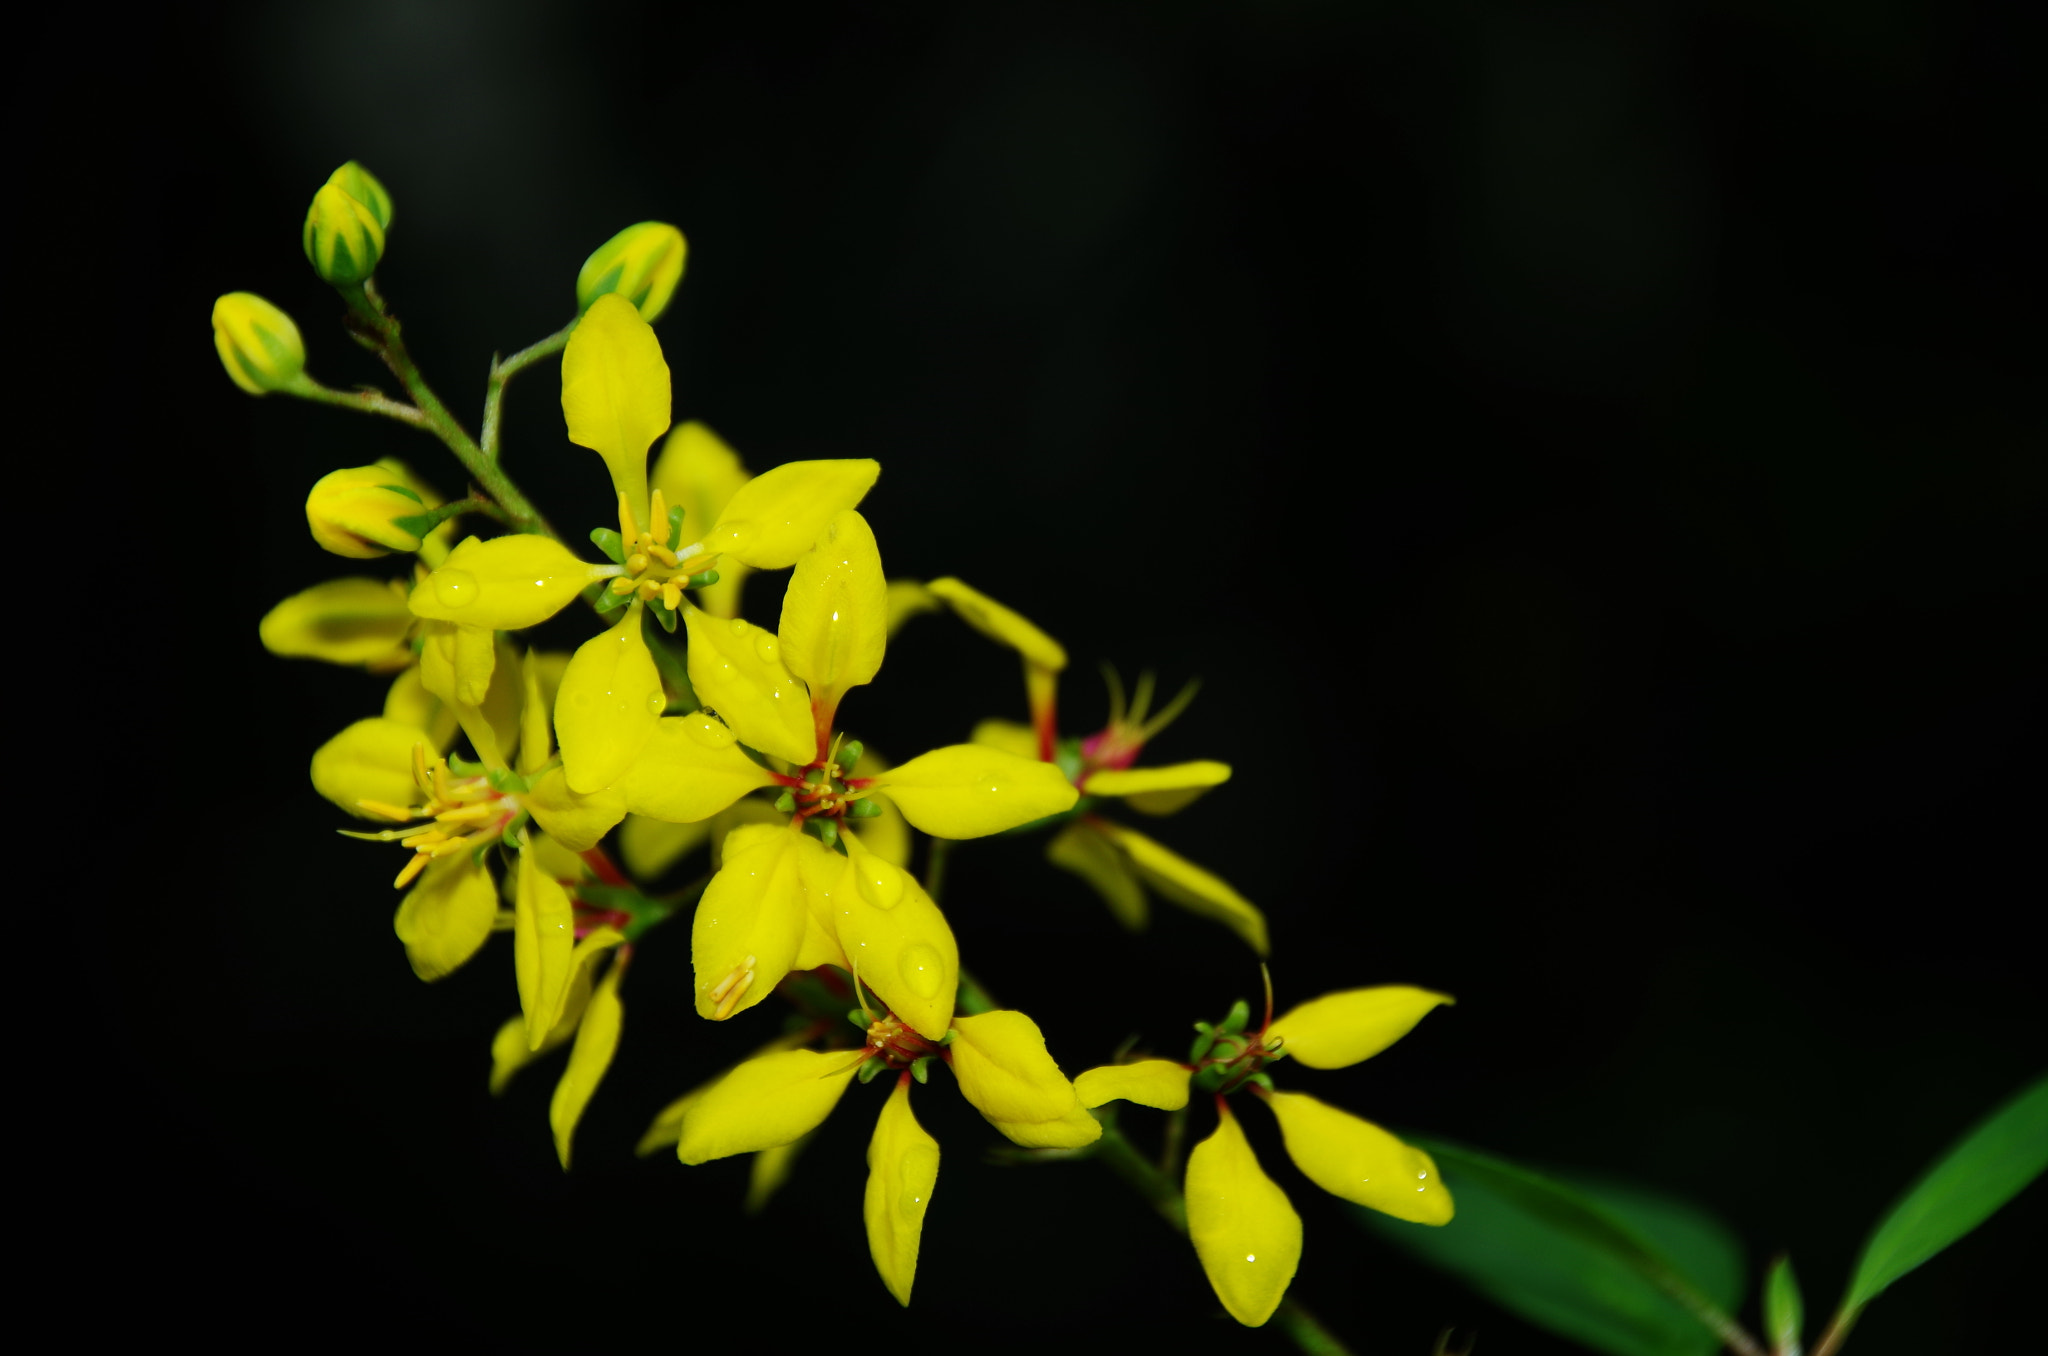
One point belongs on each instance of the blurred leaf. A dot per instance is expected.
(1578, 1260)
(1986, 1168)
(1784, 1310)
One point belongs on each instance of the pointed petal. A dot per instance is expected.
(1244, 1229)
(543, 940)
(1081, 848)
(1005, 1070)
(1158, 790)
(506, 583)
(773, 1100)
(776, 516)
(667, 1126)
(576, 821)
(597, 1039)
(749, 922)
(770, 1170)
(690, 769)
(891, 930)
(447, 916)
(1077, 1129)
(903, 1167)
(1354, 1159)
(536, 718)
(699, 474)
(609, 704)
(738, 672)
(615, 393)
(450, 658)
(1192, 887)
(1008, 735)
(970, 790)
(1000, 624)
(409, 703)
(1340, 1029)
(908, 598)
(835, 611)
(1157, 1083)
(343, 621)
(888, 833)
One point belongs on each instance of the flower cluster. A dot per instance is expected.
(544, 794)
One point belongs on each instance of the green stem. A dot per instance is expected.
(1837, 1332)
(1732, 1334)
(383, 332)
(1159, 1190)
(368, 401)
(1169, 1149)
(503, 370)
(935, 867)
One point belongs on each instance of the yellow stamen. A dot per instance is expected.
(478, 813)
(629, 531)
(622, 587)
(662, 554)
(657, 516)
(636, 564)
(452, 846)
(412, 868)
(419, 770)
(649, 590)
(732, 1000)
(671, 595)
(378, 807)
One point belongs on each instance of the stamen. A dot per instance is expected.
(412, 869)
(1115, 683)
(1173, 709)
(662, 554)
(419, 770)
(629, 531)
(636, 563)
(622, 587)
(477, 813)
(733, 989)
(1142, 698)
(378, 807)
(671, 595)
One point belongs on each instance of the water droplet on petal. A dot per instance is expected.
(656, 703)
(454, 588)
(880, 883)
(765, 647)
(710, 733)
(919, 970)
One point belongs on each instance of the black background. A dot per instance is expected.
(1591, 455)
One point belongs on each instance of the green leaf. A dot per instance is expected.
(1596, 1262)
(1985, 1169)
(1784, 1310)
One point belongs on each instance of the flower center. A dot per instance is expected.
(896, 1044)
(464, 813)
(657, 569)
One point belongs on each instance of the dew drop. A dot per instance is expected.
(919, 970)
(880, 884)
(765, 647)
(656, 703)
(739, 625)
(710, 733)
(455, 588)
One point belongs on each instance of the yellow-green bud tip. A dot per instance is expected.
(642, 263)
(362, 185)
(258, 344)
(343, 238)
(358, 512)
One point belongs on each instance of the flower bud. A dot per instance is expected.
(642, 263)
(362, 185)
(343, 238)
(259, 345)
(355, 512)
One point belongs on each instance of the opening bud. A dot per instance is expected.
(642, 263)
(362, 185)
(259, 345)
(357, 512)
(343, 238)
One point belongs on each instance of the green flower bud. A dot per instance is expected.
(362, 185)
(355, 512)
(259, 345)
(642, 263)
(343, 238)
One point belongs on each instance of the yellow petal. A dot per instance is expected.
(752, 810)
(609, 705)
(536, 727)
(1244, 1230)
(409, 703)
(908, 598)
(738, 671)
(554, 859)
(969, 790)
(773, 1100)
(505, 583)
(1081, 848)
(1159, 790)
(1007, 735)
(770, 1171)
(903, 1167)
(779, 514)
(821, 871)
(1005, 1071)
(1195, 889)
(543, 941)
(597, 1039)
(1157, 1083)
(511, 1051)
(343, 621)
(476, 663)
(892, 934)
(835, 611)
(887, 834)
(750, 921)
(1074, 1130)
(691, 769)
(615, 393)
(447, 916)
(1340, 1029)
(652, 846)
(1000, 624)
(449, 658)
(667, 1126)
(577, 821)
(697, 472)
(370, 760)
(1350, 1157)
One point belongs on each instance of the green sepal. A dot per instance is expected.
(920, 1066)
(462, 767)
(607, 601)
(947, 1039)
(861, 1019)
(1208, 1079)
(786, 802)
(848, 757)
(1234, 1023)
(826, 829)
(1066, 756)
(504, 779)
(1261, 1080)
(704, 580)
(665, 617)
(607, 540)
(675, 526)
(1784, 1309)
(1199, 1051)
(863, 809)
(873, 1065)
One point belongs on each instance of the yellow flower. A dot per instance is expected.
(781, 1096)
(1120, 863)
(1245, 1231)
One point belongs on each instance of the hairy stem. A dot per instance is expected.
(502, 371)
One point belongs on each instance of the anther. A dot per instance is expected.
(412, 869)
(622, 587)
(636, 563)
(378, 807)
(662, 554)
(671, 595)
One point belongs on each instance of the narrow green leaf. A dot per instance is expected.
(1595, 1262)
(1986, 1168)
(1784, 1310)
